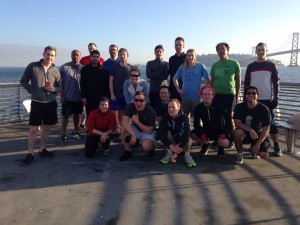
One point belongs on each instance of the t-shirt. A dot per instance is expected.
(223, 73)
(191, 80)
(255, 118)
(120, 74)
(109, 63)
(146, 117)
(161, 108)
(70, 75)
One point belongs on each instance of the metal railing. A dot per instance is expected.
(12, 97)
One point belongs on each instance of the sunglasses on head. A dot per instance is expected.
(134, 75)
(139, 100)
(251, 93)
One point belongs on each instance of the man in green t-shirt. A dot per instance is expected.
(226, 78)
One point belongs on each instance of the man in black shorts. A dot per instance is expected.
(42, 80)
(70, 95)
(252, 120)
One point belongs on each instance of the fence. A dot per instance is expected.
(13, 95)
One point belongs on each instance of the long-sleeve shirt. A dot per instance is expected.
(94, 82)
(101, 121)
(215, 118)
(179, 127)
(129, 90)
(157, 71)
(264, 76)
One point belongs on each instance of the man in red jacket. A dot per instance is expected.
(86, 60)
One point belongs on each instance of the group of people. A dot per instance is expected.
(116, 100)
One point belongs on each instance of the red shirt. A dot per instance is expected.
(101, 121)
(86, 60)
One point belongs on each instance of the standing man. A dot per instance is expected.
(138, 125)
(42, 80)
(71, 95)
(86, 60)
(264, 75)
(118, 75)
(157, 71)
(174, 62)
(191, 73)
(93, 83)
(252, 120)
(226, 77)
(113, 52)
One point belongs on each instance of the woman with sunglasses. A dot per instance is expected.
(134, 84)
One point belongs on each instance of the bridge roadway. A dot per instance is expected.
(71, 189)
(283, 52)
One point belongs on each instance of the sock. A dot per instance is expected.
(276, 145)
(186, 153)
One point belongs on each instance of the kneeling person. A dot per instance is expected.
(216, 122)
(138, 125)
(252, 120)
(101, 124)
(174, 132)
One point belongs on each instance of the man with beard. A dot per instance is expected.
(94, 82)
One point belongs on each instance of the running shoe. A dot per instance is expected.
(126, 156)
(221, 152)
(239, 159)
(189, 161)
(204, 149)
(46, 153)
(277, 151)
(28, 159)
(77, 135)
(106, 152)
(64, 138)
(166, 159)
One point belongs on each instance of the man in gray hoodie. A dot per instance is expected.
(42, 80)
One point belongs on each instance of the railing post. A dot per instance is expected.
(19, 101)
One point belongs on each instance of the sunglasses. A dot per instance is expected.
(139, 100)
(251, 93)
(134, 75)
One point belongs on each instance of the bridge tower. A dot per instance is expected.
(253, 51)
(294, 54)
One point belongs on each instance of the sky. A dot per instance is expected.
(26, 27)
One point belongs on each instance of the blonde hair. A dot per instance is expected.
(186, 63)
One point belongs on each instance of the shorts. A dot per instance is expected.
(141, 135)
(264, 146)
(43, 113)
(70, 108)
(226, 99)
(118, 105)
(273, 127)
(213, 135)
(188, 105)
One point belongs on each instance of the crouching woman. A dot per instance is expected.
(101, 124)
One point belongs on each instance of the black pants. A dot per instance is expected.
(91, 145)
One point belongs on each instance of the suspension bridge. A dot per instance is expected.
(294, 40)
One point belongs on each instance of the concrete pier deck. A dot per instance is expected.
(70, 189)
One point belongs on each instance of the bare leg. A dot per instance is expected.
(76, 122)
(238, 140)
(44, 136)
(64, 124)
(33, 130)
